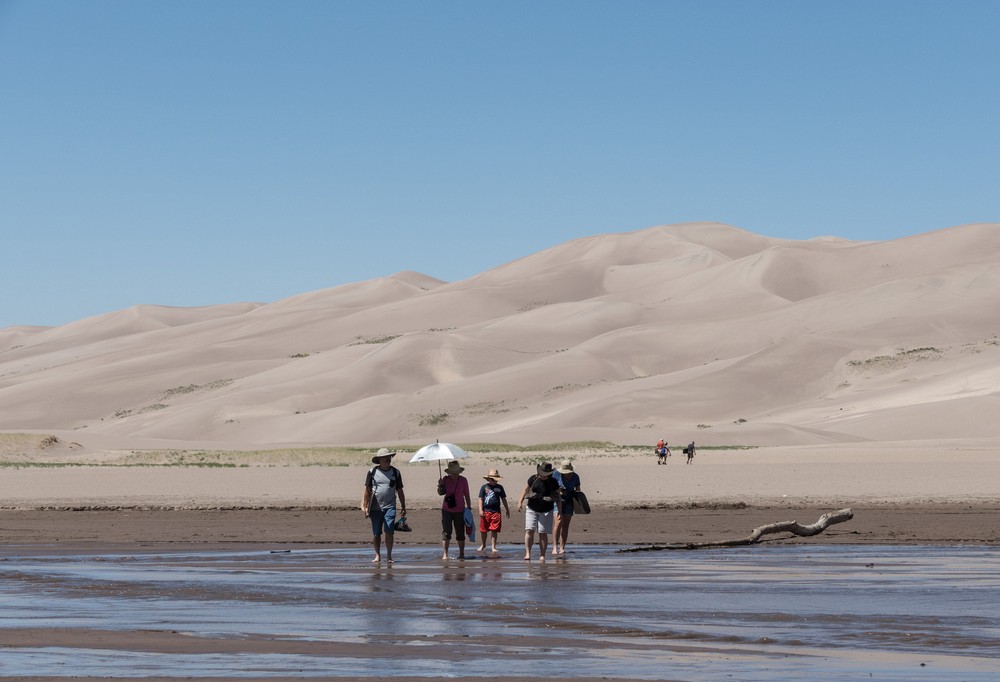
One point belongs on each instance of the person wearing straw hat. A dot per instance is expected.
(383, 485)
(569, 484)
(455, 489)
(540, 493)
(491, 496)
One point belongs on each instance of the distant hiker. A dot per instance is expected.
(491, 496)
(569, 485)
(662, 452)
(455, 489)
(689, 451)
(541, 493)
(382, 485)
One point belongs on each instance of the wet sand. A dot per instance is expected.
(753, 614)
(942, 524)
(80, 543)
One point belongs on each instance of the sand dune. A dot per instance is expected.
(696, 331)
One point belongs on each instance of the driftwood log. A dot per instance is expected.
(793, 527)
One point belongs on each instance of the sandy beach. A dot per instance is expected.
(899, 492)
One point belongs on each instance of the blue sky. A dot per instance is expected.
(190, 153)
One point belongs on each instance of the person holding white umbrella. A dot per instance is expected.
(455, 489)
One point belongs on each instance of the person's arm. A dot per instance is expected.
(468, 497)
(402, 500)
(480, 502)
(524, 493)
(505, 505)
(366, 499)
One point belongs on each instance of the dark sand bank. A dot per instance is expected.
(942, 524)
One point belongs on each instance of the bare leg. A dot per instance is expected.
(543, 542)
(529, 540)
(388, 548)
(562, 532)
(377, 543)
(444, 549)
(493, 540)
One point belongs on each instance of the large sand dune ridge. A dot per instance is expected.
(695, 332)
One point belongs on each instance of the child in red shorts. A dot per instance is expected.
(491, 496)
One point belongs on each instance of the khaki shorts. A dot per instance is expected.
(540, 521)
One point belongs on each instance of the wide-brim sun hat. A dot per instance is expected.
(566, 467)
(383, 452)
(545, 469)
(494, 475)
(454, 468)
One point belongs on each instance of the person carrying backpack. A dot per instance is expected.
(383, 485)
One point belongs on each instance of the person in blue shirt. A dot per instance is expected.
(491, 496)
(569, 484)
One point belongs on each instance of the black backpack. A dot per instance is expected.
(393, 476)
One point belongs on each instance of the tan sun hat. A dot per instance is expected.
(383, 452)
(566, 467)
(494, 475)
(453, 468)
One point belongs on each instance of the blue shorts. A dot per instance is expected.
(382, 519)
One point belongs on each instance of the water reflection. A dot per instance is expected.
(834, 612)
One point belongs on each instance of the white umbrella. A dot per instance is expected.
(438, 451)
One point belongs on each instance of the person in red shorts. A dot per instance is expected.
(491, 496)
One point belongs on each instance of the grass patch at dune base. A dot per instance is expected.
(19, 450)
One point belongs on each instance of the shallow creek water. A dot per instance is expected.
(762, 613)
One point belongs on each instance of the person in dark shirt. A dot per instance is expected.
(541, 494)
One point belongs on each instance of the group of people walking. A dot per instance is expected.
(663, 451)
(547, 500)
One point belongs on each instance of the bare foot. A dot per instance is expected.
(541, 558)
(481, 549)
(444, 558)
(376, 560)
(527, 557)
(388, 561)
